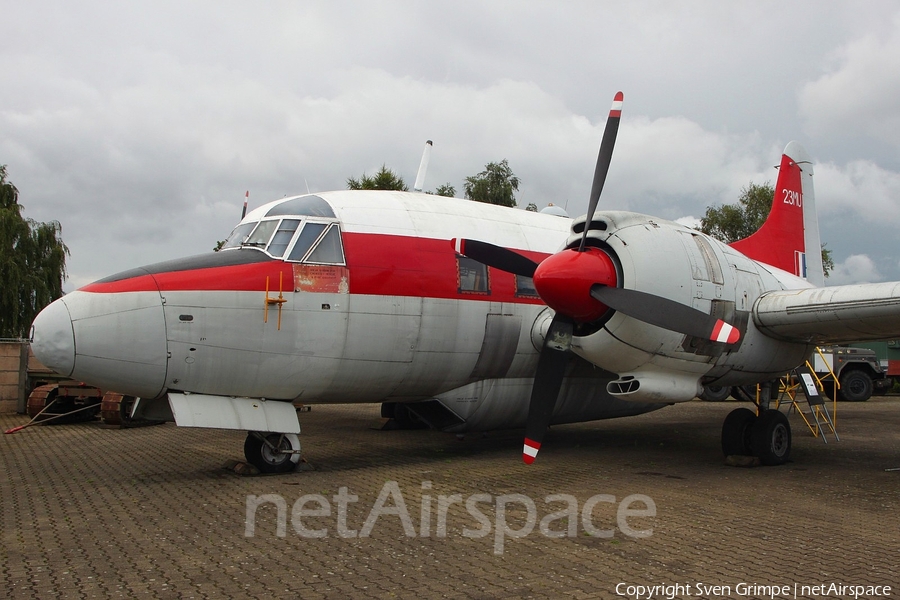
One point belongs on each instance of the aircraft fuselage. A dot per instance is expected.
(360, 297)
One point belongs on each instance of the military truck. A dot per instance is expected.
(858, 370)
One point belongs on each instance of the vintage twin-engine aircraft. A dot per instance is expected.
(456, 312)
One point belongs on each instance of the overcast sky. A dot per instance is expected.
(139, 126)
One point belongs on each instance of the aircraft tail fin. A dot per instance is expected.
(789, 239)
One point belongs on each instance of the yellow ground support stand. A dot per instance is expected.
(804, 381)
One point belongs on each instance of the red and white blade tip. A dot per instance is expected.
(530, 451)
(616, 109)
(725, 333)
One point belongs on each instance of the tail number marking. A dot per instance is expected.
(793, 198)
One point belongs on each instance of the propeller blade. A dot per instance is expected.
(603, 160)
(666, 313)
(547, 381)
(495, 256)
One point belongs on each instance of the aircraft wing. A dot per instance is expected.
(831, 315)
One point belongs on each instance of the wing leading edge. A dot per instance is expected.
(840, 314)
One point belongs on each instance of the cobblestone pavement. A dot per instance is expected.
(94, 512)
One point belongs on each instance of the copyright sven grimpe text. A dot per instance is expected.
(750, 590)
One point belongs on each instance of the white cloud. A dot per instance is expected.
(140, 130)
(860, 187)
(857, 268)
(689, 221)
(859, 93)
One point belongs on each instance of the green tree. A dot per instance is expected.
(733, 222)
(495, 185)
(827, 260)
(446, 190)
(385, 179)
(32, 263)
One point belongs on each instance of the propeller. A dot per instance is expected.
(581, 285)
(547, 380)
(603, 160)
(495, 256)
(666, 313)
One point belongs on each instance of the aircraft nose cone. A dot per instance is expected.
(54, 338)
(564, 282)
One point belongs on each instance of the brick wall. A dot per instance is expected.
(13, 360)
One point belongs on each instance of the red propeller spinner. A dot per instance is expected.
(564, 282)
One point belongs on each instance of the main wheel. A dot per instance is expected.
(280, 455)
(770, 438)
(736, 432)
(856, 386)
(715, 393)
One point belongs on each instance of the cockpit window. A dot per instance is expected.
(294, 238)
(307, 206)
(283, 236)
(262, 234)
(238, 236)
(329, 250)
(307, 237)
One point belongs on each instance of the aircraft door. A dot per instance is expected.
(498, 349)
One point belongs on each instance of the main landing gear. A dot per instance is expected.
(272, 452)
(767, 436)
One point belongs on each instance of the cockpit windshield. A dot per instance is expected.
(238, 236)
(309, 232)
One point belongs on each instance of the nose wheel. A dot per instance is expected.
(272, 452)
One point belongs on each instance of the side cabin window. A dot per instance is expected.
(525, 287)
(473, 276)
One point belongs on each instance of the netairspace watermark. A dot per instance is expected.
(433, 515)
(750, 590)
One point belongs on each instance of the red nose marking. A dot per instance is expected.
(564, 282)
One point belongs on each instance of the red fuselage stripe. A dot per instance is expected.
(386, 265)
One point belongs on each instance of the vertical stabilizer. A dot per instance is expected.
(789, 239)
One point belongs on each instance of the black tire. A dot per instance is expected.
(736, 432)
(715, 393)
(770, 438)
(261, 456)
(856, 386)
